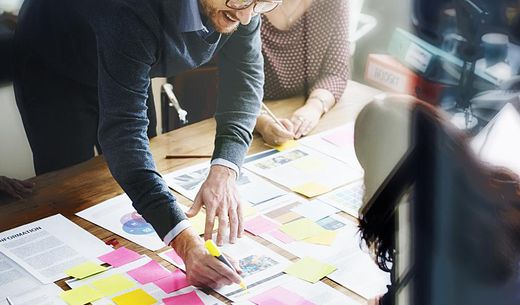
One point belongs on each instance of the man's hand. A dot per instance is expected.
(220, 196)
(202, 269)
(15, 188)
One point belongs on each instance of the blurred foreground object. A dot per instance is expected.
(444, 223)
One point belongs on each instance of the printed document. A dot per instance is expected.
(47, 247)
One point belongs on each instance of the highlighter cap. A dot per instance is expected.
(212, 248)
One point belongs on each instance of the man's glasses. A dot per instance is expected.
(261, 6)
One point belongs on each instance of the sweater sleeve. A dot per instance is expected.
(127, 48)
(240, 92)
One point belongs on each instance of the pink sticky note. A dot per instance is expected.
(120, 257)
(174, 256)
(279, 296)
(173, 282)
(148, 273)
(260, 224)
(185, 299)
(342, 138)
(281, 236)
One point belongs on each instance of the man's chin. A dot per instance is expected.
(227, 30)
(224, 27)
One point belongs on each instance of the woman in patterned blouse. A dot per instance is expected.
(306, 51)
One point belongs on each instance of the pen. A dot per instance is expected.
(214, 251)
(271, 115)
(187, 156)
(9, 302)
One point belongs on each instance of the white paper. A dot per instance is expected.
(118, 215)
(314, 210)
(348, 198)
(359, 273)
(47, 247)
(14, 279)
(42, 295)
(301, 165)
(318, 293)
(346, 154)
(499, 142)
(255, 190)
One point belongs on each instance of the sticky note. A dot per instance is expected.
(279, 296)
(84, 270)
(310, 269)
(301, 229)
(113, 284)
(136, 297)
(285, 146)
(311, 189)
(80, 296)
(185, 299)
(281, 236)
(248, 210)
(148, 273)
(174, 256)
(120, 257)
(309, 164)
(173, 282)
(260, 224)
(198, 223)
(341, 138)
(325, 238)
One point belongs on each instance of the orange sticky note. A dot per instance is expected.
(311, 189)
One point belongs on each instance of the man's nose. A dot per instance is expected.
(245, 15)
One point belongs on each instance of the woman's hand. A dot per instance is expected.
(272, 133)
(305, 119)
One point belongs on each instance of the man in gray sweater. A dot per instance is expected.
(82, 76)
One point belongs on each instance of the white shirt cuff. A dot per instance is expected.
(226, 163)
(181, 226)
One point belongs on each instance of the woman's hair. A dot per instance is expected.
(488, 195)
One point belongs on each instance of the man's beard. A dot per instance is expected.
(213, 15)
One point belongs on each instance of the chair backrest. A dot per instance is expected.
(6, 55)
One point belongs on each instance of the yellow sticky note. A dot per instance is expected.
(113, 284)
(301, 229)
(325, 238)
(84, 270)
(199, 223)
(80, 296)
(310, 269)
(138, 296)
(248, 210)
(311, 189)
(309, 164)
(285, 146)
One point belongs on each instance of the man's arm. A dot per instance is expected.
(240, 92)
(126, 51)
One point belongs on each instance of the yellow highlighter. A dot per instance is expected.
(214, 251)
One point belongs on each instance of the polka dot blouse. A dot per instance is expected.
(312, 54)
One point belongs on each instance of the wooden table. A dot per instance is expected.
(76, 188)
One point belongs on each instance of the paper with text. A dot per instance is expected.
(47, 247)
